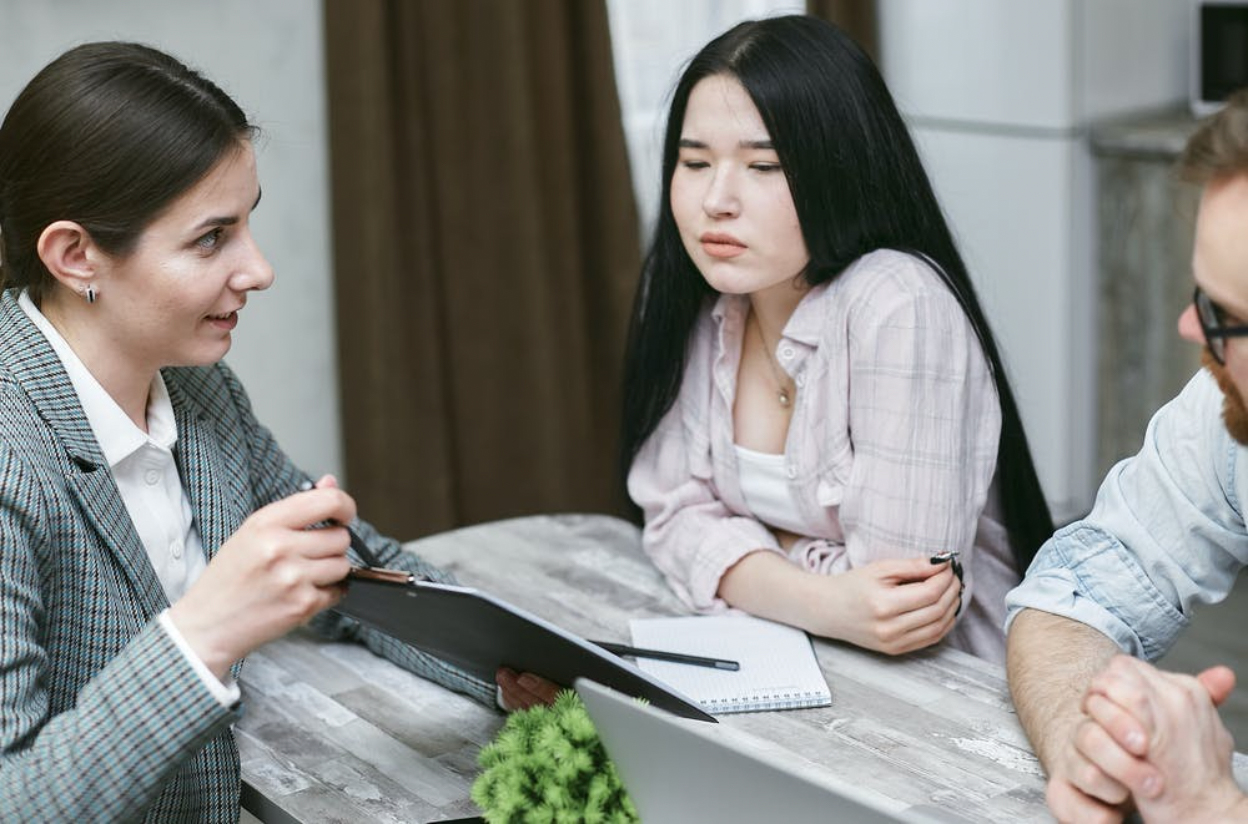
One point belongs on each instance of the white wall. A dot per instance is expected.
(999, 96)
(269, 56)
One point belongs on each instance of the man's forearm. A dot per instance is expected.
(1050, 661)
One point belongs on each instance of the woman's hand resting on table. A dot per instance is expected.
(891, 606)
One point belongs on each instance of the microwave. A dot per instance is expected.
(1219, 53)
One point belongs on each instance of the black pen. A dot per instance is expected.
(357, 543)
(951, 557)
(674, 657)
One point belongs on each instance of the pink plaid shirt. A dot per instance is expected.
(891, 451)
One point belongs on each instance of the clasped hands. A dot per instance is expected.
(1152, 740)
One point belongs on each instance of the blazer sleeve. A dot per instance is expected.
(134, 724)
(275, 476)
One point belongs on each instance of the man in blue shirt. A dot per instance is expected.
(1166, 534)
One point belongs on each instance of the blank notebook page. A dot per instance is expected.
(778, 665)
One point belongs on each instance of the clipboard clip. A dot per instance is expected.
(391, 576)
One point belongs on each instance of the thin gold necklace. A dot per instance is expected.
(785, 390)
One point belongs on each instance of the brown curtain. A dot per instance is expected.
(485, 251)
(856, 17)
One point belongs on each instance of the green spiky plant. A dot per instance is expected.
(548, 766)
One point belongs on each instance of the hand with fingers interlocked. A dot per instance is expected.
(1158, 734)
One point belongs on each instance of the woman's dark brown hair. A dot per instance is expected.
(107, 135)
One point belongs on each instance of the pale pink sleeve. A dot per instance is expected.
(924, 421)
(689, 533)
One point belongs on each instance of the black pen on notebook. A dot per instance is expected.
(663, 655)
(357, 543)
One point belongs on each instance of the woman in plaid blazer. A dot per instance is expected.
(148, 537)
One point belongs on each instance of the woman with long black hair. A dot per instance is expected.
(815, 407)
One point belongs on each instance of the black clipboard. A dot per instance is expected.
(480, 633)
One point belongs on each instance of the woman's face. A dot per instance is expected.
(174, 299)
(729, 195)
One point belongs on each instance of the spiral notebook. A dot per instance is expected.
(779, 670)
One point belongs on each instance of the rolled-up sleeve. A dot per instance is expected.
(1165, 535)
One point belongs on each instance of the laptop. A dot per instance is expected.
(679, 770)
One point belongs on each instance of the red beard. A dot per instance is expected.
(1234, 413)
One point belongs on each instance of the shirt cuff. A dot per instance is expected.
(226, 692)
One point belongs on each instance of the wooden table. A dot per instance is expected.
(334, 733)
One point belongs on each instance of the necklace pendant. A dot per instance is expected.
(784, 398)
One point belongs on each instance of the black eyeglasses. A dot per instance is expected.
(1212, 324)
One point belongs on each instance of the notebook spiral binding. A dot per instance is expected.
(763, 703)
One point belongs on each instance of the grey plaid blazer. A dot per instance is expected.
(101, 718)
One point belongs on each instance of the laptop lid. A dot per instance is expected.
(679, 770)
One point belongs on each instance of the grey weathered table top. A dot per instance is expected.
(334, 733)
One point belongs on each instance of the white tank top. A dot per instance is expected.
(765, 487)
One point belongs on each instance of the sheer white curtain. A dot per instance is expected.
(651, 41)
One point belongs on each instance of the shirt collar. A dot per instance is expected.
(730, 306)
(116, 433)
(805, 325)
(808, 322)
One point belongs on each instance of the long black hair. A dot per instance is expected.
(857, 184)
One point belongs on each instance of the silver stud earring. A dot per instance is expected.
(90, 294)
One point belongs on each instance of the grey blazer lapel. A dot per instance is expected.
(101, 502)
(202, 468)
(29, 358)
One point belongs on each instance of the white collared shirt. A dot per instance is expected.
(147, 477)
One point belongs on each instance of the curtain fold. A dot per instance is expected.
(857, 17)
(485, 252)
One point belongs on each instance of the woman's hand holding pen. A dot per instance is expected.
(893, 606)
(272, 575)
(516, 691)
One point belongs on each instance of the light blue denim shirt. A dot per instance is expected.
(1166, 533)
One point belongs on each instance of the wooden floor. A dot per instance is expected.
(1219, 635)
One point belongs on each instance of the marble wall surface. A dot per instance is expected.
(1145, 217)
